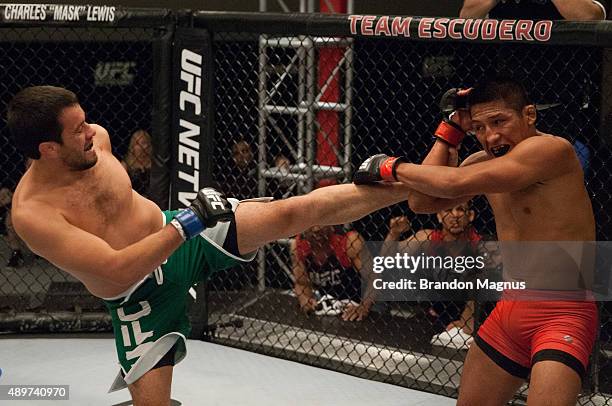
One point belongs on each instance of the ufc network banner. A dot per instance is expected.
(192, 116)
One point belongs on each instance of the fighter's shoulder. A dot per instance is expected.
(546, 144)
(102, 136)
(31, 211)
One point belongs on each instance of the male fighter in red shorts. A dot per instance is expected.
(534, 184)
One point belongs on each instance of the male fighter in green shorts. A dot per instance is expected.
(75, 207)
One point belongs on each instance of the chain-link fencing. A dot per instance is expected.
(298, 104)
(297, 110)
(111, 70)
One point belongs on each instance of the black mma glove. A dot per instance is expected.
(377, 168)
(449, 131)
(208, 208)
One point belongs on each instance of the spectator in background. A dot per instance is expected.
(456, 225)
(326, 264)
(281, 188)
(242, 175)
(137, 161)
(536, 9)
(282, 162)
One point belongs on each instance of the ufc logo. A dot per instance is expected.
(191, 73)
(114, 73)
(214, 198)
(134, 328)
(190, 105)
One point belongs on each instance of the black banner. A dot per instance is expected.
(79, 15)
(162, 119)
(598, 33)
(192, 117)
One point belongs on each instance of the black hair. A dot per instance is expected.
(33, 117)
(507, 89)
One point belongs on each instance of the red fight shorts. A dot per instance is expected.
(519, 333)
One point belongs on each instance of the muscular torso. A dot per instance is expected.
(101, 202)
(555, 210)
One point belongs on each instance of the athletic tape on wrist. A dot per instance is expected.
(190, 222)
(396, 163)
(450, 132)
(179, 228)
(387, 169)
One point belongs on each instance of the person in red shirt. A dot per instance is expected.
(326, 262)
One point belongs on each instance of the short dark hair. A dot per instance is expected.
(33, 117)
(507, 89)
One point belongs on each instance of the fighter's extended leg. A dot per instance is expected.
(260, 223)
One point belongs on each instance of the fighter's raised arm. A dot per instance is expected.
(49, 234)
(87, 256)
(534, 160)
(449, 134)
(497, 125)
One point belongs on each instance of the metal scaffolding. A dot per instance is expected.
(288, 90)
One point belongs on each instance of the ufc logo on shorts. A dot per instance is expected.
(134, 326)
(214, 199)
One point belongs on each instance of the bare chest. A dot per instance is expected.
(99, 200)
(543, 211)
(521, 206)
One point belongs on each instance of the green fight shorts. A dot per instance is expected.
(151, 317)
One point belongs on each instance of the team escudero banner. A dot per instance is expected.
(451, 28)
(524, 31)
